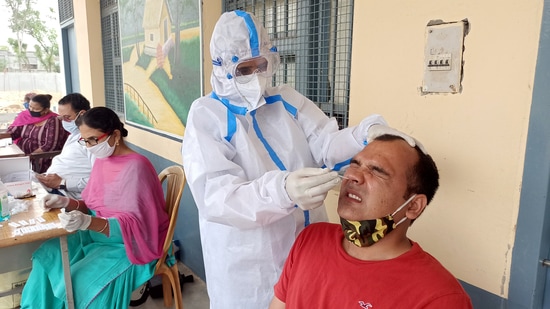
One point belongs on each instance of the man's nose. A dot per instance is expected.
(354, 175)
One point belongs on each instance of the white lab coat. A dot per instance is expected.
(247, 221)
(73, 164)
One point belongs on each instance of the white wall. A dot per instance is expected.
(31, 81)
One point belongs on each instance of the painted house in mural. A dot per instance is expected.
(157, 25)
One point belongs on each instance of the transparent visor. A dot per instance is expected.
(264, 65)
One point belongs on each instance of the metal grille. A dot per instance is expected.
(107, 4)
(116, 35)
(65, 10)
(314, 41)
(112, 62)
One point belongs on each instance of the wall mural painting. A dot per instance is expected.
(161, 69)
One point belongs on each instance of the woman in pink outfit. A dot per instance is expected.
(38, 129)
(120, 225)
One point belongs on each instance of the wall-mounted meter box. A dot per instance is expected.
(443, 57)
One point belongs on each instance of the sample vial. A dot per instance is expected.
(4, 204)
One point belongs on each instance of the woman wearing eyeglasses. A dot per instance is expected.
(120, 222)
(38, 130)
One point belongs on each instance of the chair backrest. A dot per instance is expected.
(39, 159)
(174, 189)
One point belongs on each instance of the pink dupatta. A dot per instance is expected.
(127, 188)
(24, 118)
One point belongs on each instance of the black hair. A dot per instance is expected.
(42, 99)
(78, 102)
(103, 119)
(423, 177)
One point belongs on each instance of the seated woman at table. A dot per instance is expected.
(27, 99)
(121, 224)
(38, 129)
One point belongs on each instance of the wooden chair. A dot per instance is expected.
(38, 160)
(170, 275)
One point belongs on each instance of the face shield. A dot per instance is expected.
(241, 52)
(264, 65)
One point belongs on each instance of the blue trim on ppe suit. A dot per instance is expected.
(232, 127)
(254, 42)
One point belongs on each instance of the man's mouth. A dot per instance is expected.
(355, 197)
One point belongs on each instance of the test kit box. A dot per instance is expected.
(11, 286)
(15, 173)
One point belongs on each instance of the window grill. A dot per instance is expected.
(314, 41)
(108, 4)
(65, 9)
(112, 62)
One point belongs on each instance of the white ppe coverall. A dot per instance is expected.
(237, 150)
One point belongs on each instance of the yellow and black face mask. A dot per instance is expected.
(366, 233)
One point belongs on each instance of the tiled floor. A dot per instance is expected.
(194, 294)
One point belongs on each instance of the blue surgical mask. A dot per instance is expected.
(26, 104)
(70, 126)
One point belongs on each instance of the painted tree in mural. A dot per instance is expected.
(178, 12)
(132, 11)
(179, 9)
(25, 20)
(166, 37)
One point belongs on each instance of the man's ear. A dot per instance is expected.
(417, 206)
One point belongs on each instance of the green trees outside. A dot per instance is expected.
(25, 20)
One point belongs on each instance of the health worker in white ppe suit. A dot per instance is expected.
(254, 157)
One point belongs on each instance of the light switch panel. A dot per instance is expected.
(443, 57)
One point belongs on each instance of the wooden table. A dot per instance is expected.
(11, 150)
(50, 228)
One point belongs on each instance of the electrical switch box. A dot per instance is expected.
(443, 57)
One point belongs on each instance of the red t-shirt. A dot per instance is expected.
(320, 274)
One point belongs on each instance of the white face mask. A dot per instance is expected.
(252, 91)
(103, 149)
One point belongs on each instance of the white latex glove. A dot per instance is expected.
(308, 187)
(74, 220)
(379, 130)
(360, 132)
(55, 201)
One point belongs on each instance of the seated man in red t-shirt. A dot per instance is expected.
(368, 261)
